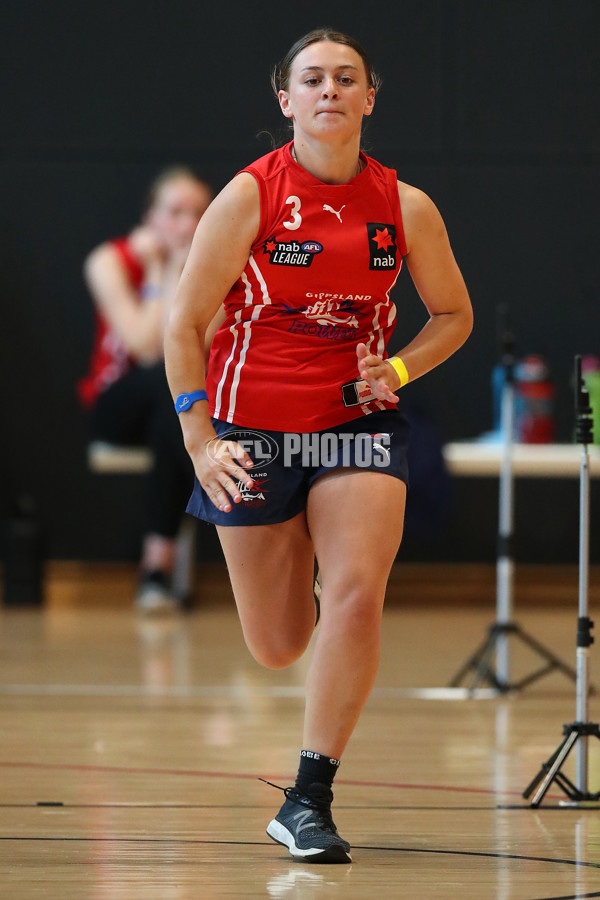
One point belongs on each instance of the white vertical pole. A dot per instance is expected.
(583, 652)
(505, 564)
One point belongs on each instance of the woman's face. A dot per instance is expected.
(174, 215)
(328, 93)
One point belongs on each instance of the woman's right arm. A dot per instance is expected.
(138, 324)
(218, 256)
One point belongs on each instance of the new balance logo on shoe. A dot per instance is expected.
(301, 818)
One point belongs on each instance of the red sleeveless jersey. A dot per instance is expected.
(317, 283)
(109, 360)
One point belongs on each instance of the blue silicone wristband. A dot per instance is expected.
(186, 401)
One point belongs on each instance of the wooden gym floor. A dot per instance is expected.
(130, 750)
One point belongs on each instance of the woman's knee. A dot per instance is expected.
(357, 610)
(277, 652)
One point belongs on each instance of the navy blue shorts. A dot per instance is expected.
(286, 465)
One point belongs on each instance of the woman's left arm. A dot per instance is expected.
(442, 289)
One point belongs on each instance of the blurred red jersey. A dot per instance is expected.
(109, 360)
(317, 283)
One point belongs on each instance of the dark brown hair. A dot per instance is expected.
(280, 76)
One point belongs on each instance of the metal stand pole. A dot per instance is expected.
(505, 567)
(504, 626)
(577, 733)
(584, 625)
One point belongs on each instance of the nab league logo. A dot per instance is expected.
(291, 253)
(382, 245)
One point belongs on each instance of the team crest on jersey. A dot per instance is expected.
(382, 245)
(338, 312)
(330, 316)
(291, 253)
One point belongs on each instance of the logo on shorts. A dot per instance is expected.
(261, 448)
(382, 245)
(379, 440)
(256, 495)
(291, 253)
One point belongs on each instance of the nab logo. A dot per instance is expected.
(382, 245)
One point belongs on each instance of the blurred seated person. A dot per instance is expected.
(132, 280)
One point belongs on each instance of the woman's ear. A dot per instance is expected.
(284, 103)
(369, 102)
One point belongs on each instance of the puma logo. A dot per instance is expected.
(377, 446)
(337, 213)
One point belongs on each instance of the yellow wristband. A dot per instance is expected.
(397, 364)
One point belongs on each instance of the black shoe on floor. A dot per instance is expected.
(155, 596)
(304, 825)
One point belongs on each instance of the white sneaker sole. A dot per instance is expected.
(155, 602)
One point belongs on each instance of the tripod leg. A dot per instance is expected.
(546, 654)
(533, 676)
(542, 772)
(471, 663)
(554, 764)
(483, 671)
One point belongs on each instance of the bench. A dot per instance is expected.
(114, 459)
(472, 459)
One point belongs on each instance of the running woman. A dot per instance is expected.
(301, 250)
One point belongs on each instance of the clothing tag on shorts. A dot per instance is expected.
(356, 392)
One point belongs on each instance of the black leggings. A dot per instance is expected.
(138, 410)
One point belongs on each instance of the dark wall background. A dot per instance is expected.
(490, 107)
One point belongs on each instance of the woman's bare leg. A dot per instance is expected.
(355, 520)
(271, 572)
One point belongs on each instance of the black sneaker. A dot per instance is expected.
(304, 825)
(154, 595)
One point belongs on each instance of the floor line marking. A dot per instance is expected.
(573, 896)
(338, 806)
(246, 776)
(470, 853)
(232, 691)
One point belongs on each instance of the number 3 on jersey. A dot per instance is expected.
(296, 220)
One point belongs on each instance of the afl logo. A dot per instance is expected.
(312, 247)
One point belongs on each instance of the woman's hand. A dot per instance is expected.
(147, 247)
(220, 469)
(380, 375)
